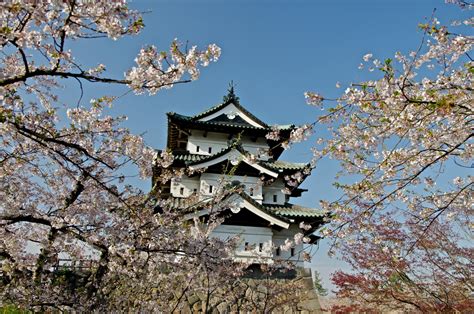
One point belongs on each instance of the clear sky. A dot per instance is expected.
(274, 51)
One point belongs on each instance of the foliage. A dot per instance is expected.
(405, 143)
(11, 309)
(318, 285)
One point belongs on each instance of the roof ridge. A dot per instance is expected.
(194, 119)
(237, 104)
(286, 162)
(208, 111)
(172, 113)
(189, 119)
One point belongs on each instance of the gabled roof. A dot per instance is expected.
(280, 215)
(235, 116)
(222, 106)
(217, 125)
(241, 200)
(232, 153)
(229, 117)
(287, 210)
(274, 166)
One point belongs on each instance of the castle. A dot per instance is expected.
(228, 150)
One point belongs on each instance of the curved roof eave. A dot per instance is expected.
(231, 153)
(245, 202)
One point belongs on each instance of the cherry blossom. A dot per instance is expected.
(64, 178)
(404, 141)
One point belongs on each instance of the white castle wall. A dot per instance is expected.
(185, 186)
(200, 144)
(219, 181)
(268, 239)
(255, 243)
(273, 194)
(279, 238)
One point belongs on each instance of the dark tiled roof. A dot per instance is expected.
(291, 210)
(287, 210)
(187, 157)
(284, 212)
(224, 119)
(191, 159)
(261, 207)
(209, 111)
(192, 121)
(216, 155)
(284, 165)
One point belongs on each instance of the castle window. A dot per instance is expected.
(195, 190)
(275, 198)
(197, 149)
(210, 150)
(251, 191)
(292, 251)
(260, 247)
(277, 251)
(181, 191)
(247, 246)
(210, 188)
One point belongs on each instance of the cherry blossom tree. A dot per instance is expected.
(405, 144)
(62, 180)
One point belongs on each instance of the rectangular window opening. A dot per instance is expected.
(260, 247)
(275, 198)
(210, 150)
(277, 251)
(197, 149)
(247, 246)
(210, 188)
(292, 251)
(181, 191)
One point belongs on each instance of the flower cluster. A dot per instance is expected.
(313, 98)
(157, 70)
(274, 134)
(64, 176)
(399, 140)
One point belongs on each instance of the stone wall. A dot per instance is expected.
(260, 294)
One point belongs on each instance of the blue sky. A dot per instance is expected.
(274, 51)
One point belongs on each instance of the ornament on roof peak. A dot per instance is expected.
(231, 97)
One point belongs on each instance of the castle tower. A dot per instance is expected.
(227, 150)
